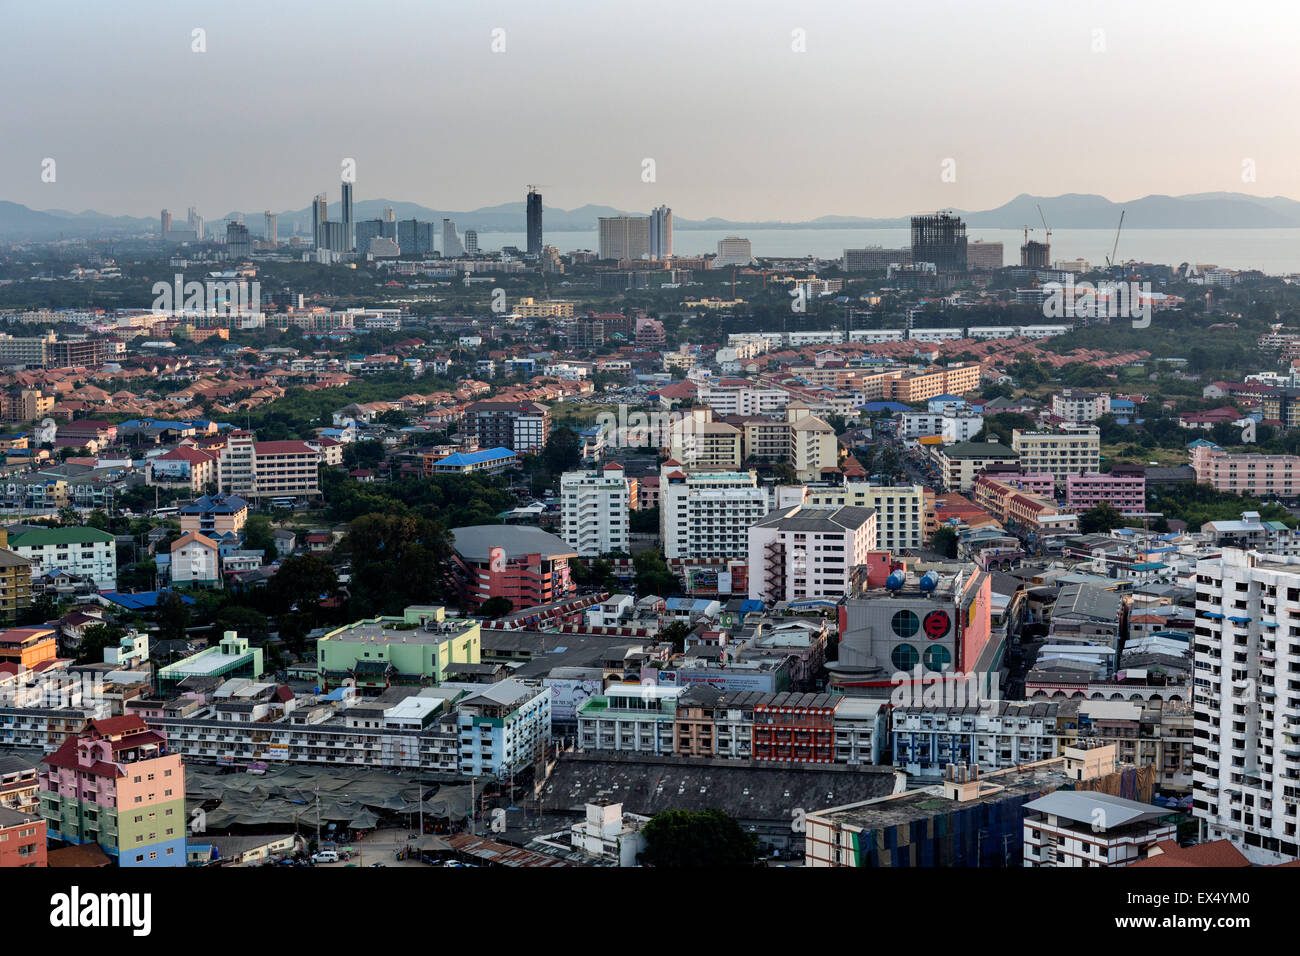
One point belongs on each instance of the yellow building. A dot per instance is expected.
(1071, 450)
(15, 582)
(900, 510)
(531, 309)
(700, 442)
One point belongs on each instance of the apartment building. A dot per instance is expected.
(630, 718)
(900, 510)
(1020, 509)
(1250, 533)
(195, 561)
(995, 735)
(594, 511)
(1263, 476)
(742, 397)
(950, 426)
(417, 648)
(796, 728)
(1246, 762)
(254, 470)
(911, 387)
(503, 727)
(1070, 828)
(523, 427)
(706, 515)
(960, 463)
(1124, 487)
(807, 554)
(117, 784)
(710, 722)
(85, 552)
(803, 440)
(20, 405)
(1071, 450)
(700, 441)
(22, 839)
(1077, 406)
(15, 583)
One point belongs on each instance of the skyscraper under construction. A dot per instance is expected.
(534, 223)
(940, 239)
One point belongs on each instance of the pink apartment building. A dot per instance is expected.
(1125, 487)
(1275, 476)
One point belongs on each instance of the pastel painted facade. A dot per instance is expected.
(1125, 488)
(116, 784)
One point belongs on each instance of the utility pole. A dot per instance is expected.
(317, 788)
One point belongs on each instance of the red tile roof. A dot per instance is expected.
(1215, 853)
(118, 725)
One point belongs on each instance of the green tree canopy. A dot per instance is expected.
(687, 838)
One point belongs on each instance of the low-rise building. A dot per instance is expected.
(1090, 829)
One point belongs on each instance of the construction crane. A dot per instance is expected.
(1110, 263)
(1047, 229)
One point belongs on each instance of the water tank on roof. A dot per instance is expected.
(929, 581)
(895, 580)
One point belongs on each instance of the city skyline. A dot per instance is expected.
(759, 148)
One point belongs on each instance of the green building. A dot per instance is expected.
(415, 649)
(233, 657)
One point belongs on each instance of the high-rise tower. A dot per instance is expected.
(534, 222)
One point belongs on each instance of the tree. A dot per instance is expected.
(1100, 519)
(95, 639)
(303, 582)
(495, 607)
(245, 621)
(944, 541)
(653, 575)
(173, 616)
(397, 561)
(260, 536)
(686, 838)
(563, 451)
(677, 632)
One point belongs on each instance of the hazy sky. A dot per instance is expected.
(738, 124)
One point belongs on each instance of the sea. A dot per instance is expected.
(1273, 251)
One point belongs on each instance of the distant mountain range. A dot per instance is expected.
(1070, 211)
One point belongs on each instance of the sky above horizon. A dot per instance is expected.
(888, 110)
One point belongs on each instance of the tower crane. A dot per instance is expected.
(1110, 263)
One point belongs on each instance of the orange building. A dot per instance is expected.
(28, 646)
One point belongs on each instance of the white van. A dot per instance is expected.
(325, 856)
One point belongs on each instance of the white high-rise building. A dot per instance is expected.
(661, 233)
(1246, 759)
(594, 511)
(451, 246)
(733, 251)
(624, 237)
(708, 514)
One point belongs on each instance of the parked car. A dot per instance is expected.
(325, 856)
